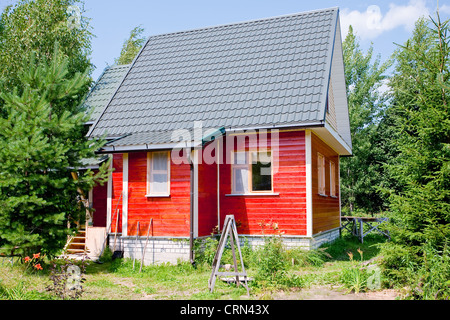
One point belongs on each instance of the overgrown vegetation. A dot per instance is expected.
(272, 267)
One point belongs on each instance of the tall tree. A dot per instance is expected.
(420, 115)
(419, 200)
(33, 27)
(360, 174)
(131, 46)
(41, 142)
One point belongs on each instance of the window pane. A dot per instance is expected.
(158, 173)
(240, 158)
(240, 180)
(261, 171)
(159, 160)
(321, 173)
(332, 179)
(159, 183)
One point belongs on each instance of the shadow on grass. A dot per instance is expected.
(348, 243)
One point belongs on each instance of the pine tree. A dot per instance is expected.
(42, 140)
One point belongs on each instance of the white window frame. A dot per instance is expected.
(234, 166)
(332, 179)
(150, 173)
(248, 166)
(321, 174)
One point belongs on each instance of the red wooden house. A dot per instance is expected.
(248, 119)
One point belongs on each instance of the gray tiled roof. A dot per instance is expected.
(261, 73)
(103, 89)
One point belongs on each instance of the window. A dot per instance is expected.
(332, 179)
(158, 173)
(240, 172)
(321, 173)
(261, 171)
(251, 172)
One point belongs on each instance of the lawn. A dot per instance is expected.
(326, 272)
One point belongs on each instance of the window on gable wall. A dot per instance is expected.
(321, 173)
(332, 179)
(158, 173)
(251, 172)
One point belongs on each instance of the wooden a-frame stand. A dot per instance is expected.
(229, 229)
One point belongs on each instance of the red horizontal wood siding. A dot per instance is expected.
(207, 192)
(326, 213)
(255, 214)
(170, 214)
(286, 210)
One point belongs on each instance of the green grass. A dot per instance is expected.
(116, 279)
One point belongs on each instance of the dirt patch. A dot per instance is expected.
(334, 293)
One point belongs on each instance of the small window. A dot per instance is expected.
(240, 172)
(321, 173)
(158, 173)
(261, 171)
(251, 172)
(332, 179)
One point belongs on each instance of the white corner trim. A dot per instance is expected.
(109, 195)
(308, 158)
(195, 213)
(339, 190)
(218, 161)
(125, 196)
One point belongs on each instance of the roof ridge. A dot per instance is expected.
(244, 22)
(118, 66)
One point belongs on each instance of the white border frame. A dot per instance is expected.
(149, 168)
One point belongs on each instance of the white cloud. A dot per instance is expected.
(445, 9)
(371, 23)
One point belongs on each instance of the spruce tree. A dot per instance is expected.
(420, 201)
(42, 140)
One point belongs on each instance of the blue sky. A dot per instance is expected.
(379, 22)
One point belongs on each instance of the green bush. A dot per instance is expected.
(354, 278)
(272, 266)
(205, 250)
(430, 280)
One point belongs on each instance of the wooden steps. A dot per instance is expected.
(77, 244)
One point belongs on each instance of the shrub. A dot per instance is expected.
(430, 280)
(272, 266)
(354, 278)
(205, 250)
(66, 278)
